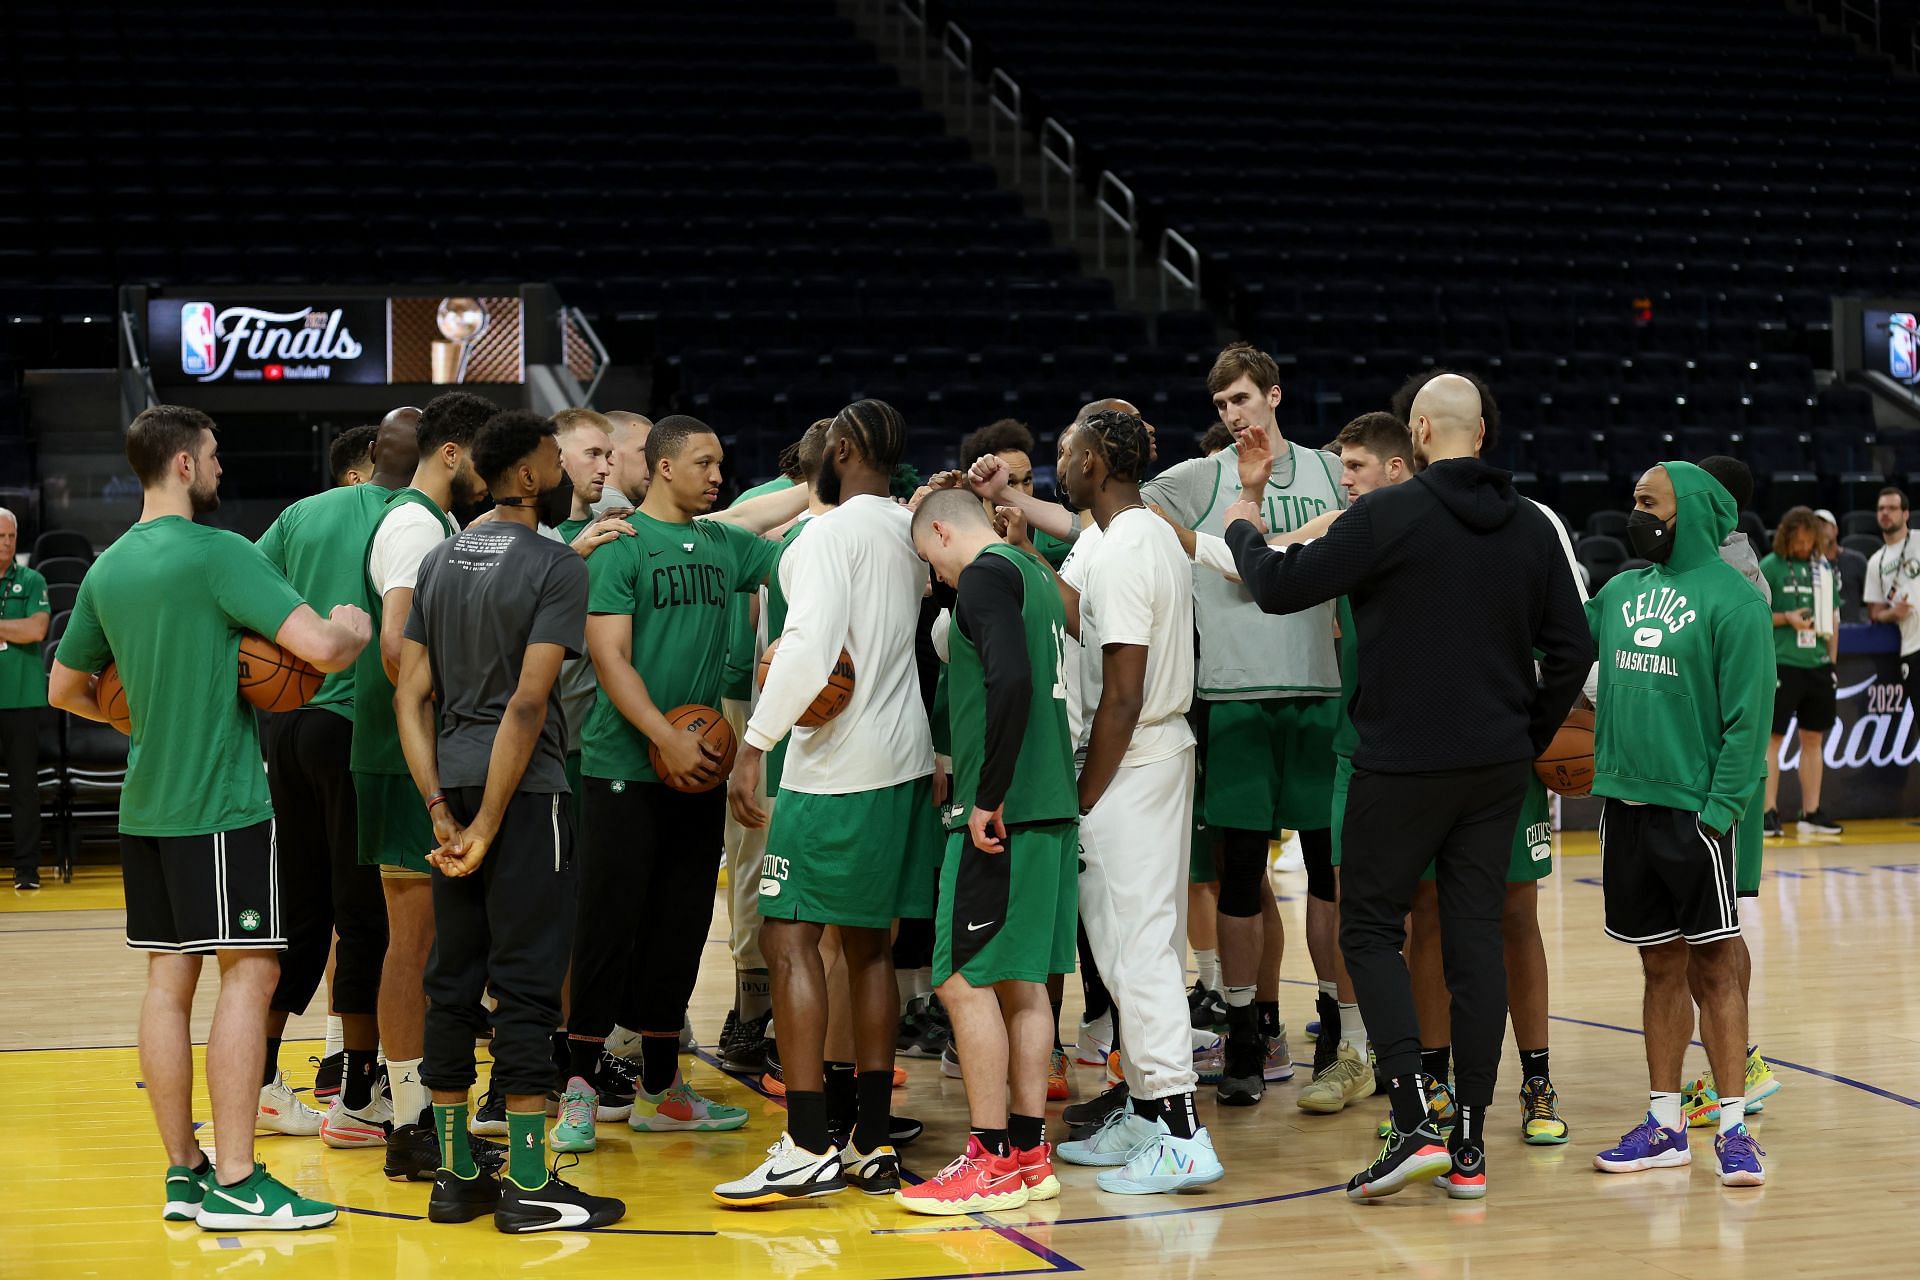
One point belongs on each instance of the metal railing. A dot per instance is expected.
(956, 49)
(1065, 163)
(1863, 12)
(913, 17)
(1128, 221)
(1188, 279)
(136, 358)
(1003, 104)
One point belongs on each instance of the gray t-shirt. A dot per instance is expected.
(484, 595)
(1737, 551)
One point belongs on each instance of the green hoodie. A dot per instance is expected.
(1686, 670)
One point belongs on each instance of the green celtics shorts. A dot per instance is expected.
(1202, 866)
(1272, 764)
(1532, 855)
(1008, 916)
(1342, 778)
(1747, 845)
(395, 831)
(863, 859)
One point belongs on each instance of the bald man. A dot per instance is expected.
(396, 448)
(1456, 582)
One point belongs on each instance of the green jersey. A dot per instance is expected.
(737, 683)
(167, 603)
(1053, 550)
(775, 618)
(1042, 787)
(675, 581)
(376, 734)
(23, 673)
(1791, 585)
(313, 543)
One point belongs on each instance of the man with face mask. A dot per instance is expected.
(1680, 740)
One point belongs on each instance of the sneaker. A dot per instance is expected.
(1114, 1142)
(747, 1054)
(579, 1104)
(1347, 1081)
(367, 1127)
(1814, 823)
(1279, 1062)
(680, 1108)
(1467, 1179)
(903, 1129)
(1210, 1060)
(1084, 1117)
(1114, 1073)
(689, 1043)
(875, 1173)
(1057, 1087)
(185, 1190)
(490, 1121)
(1243, 1077)
(616, 1086)
(1648, 1145)
(1701, 1101)
(1095, 1042)
(1739, 1158)
(1761, 1082)
(1770, 825)
(27, 883)
(554, 1205)
(457, 1199)
(413, 1152)
(1540, 1122)
(1165, 1164)
(1441, 1111)
(1206, 1007)
(921, 1034)
(282, 1111)
(327, 1075)
(774, 1082)
(260, 1202)
(788, 1173)
(1420, 1156)
(729, 1031)
(950, 1061)
(1036, 1170)
(976, 1182)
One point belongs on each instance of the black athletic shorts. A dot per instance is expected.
(197, 894)
(1665, 876)
(1806, 692)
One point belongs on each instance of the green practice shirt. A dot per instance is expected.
(738, 680)
(675, 581)
(316, 543)
(1792, 584)
(23, 673)
(168, 603)
(1053, 550)
(776, 619)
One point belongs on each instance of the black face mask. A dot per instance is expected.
(1650, 536)
(552, 507)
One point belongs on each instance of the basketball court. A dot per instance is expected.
(1836, 946)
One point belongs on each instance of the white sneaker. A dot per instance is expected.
(367, 1127)
(1346, 1080)
(1279, 1060)
(789, 1173)
(1291, 858)
(623, 1044)
(1096, 1041)
(1165, 1163)
(282, 1111)
(1114, 1142)
(689, 1043)
(950, 1061)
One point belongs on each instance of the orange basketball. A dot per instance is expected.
(712, 727)
(112, 697)
(1567, 765)
(273, 679)
(830, 701)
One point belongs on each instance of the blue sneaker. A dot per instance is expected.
(1164, 1164)
(1649, 1145)
(1739, 1158)
(1121, 1134)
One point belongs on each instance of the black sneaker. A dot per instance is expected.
(921, 1035)
(555, 1205)
(1770, 825)
(328, 1073)
(773, 1081)
(1407, 1158)
(901, 1130)
(1206, 1008)
(490, 1121)
(876, 1174)
(1243, 1078)
(1326, 1045)
(728, 1030)
(457, 1199)
(27, 882)
(1084, 1117)
(615, 1078)
(413, 1152)
(748, 1052)
(1817, 823)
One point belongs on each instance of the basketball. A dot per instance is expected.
(712, 727)
(112, 697)
(830, 701)
(273, 679)
(1567, 765)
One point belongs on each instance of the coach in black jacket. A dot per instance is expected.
(1456, 582)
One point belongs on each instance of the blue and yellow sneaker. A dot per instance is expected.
(1540, 1122)
(1701, 1101)
(1648, 1145)
(1440, 1107)
(1739, 1158)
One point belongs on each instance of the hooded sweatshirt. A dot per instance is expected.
(1455, 581)
(1686, 681)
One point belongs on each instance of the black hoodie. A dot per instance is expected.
(1456, 582)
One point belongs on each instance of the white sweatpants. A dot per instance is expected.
(1133, 902)
(744, 846)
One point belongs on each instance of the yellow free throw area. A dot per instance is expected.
(1835, 938)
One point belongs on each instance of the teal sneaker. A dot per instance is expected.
(260, 1202)
(682, 1108)
(573, 1131)
(1164, 1164)
(185, 1190)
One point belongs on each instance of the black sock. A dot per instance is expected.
(356, 1082)
(807, 1120)
(874, 1128)
(1434, 1063)
(1145, 1108)
(1243, 1022)
(659, 1061)
(1409, 1096)
(1179, 1114)
(1533, 1064)
(1026, 1132)
(1469, 1128)
(271, 1067)
(1327, 1009)
(1270, 1017)
(843, 1097)
(1055, 1002)
(205, 1166)
(993, 1141)
(582, 1057)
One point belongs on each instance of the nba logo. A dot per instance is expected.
(197, 354)
(1901, 359)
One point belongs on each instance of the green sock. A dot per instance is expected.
(527, 1148)
(455, 1153)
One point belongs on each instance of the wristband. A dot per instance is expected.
(438, 797)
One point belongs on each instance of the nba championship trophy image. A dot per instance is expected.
(461, 320)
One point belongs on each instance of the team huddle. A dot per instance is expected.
(950, 742)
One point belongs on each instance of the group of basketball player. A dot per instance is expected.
(507, 753)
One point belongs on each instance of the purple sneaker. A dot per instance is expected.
(1739, 1159)
(1648, 1146)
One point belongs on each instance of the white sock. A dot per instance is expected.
(1733, 1114)
(1239, 997)
(1208, 962)
(1352, 1030)
(336, 1037)
(1328, 988)
(409, 1095)
(1665, 1109)
(753, 993)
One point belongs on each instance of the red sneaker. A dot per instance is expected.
(975, 1183)
(1057, 1076)
(1036, 1170)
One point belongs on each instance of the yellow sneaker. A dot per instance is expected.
(1346, 1080)
(1541, 1125)
(1439, 1104)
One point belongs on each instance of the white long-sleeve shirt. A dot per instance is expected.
(853, 583)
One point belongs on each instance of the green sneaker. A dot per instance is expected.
(185, 1190)
(682, 1108)
(260, 1202)
(574, 1129)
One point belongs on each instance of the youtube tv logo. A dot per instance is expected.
(274, 372)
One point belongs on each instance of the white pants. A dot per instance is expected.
(1133, 903)
(744, 846)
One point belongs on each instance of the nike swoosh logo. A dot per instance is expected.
(259, 1204)
(656, 551)
(975, 928)
(570, 1215)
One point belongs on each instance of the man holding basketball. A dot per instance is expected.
(166, 605)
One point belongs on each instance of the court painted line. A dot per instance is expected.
(1129, 1217)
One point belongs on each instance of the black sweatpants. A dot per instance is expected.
(505, 928)
(1461, 820)
(20, 741)
(323, 887)
(648, 868)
